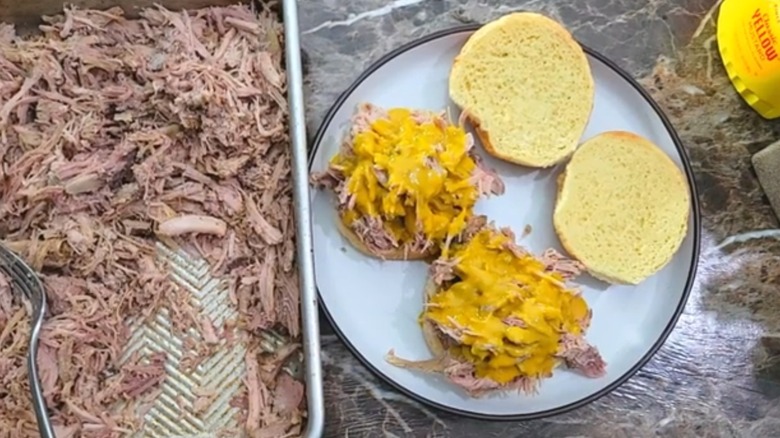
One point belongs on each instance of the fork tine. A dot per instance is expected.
(6, 252)
(24, 276)
(5, 260)
(18, 271)
(25, 279)
(13, 260)
(27, 289)
(17, 282)
(20, 274)
(14, 268)
(11, 257)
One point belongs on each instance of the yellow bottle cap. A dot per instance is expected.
(748, 33)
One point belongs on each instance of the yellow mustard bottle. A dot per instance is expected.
(749, 42)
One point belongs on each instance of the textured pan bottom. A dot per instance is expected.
(173, 411)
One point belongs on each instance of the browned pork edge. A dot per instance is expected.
(574, 351)
(372, 230)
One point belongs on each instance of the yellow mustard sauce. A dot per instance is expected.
(494, 285)
(428, 176)
(748, 33)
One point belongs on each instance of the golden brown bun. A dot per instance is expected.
(622, 207)
(430, 334)
(527, 84)
(394, 254)
(484, 137)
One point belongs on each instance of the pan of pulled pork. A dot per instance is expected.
(152, 172)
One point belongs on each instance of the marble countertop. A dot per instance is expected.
(718, 374)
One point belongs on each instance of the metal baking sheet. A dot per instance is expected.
(301, 197)
(173, 414)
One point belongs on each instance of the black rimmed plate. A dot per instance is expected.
(374, 305)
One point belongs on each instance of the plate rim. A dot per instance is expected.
(696, 216)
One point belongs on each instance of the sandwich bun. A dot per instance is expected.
(432, 336)
(622, 207)
(526, 86)
(393, 254)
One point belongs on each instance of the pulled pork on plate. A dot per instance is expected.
(497, 318)
(406, 181)
(117, 133)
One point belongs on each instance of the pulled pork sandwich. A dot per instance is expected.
(498, 318)
(406, 181)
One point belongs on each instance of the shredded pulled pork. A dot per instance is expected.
(463, 374)
(114, 132)
(557, 262)
(581, 356)
(486, 179)
(192, 224)
(373, 233)
(372, 230)
(442, 270)
(574, 350)
(454, 327)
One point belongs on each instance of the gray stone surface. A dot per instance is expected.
(719, 373)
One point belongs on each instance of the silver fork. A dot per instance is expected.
(24, 280)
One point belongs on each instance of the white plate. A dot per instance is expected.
(374, 305)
